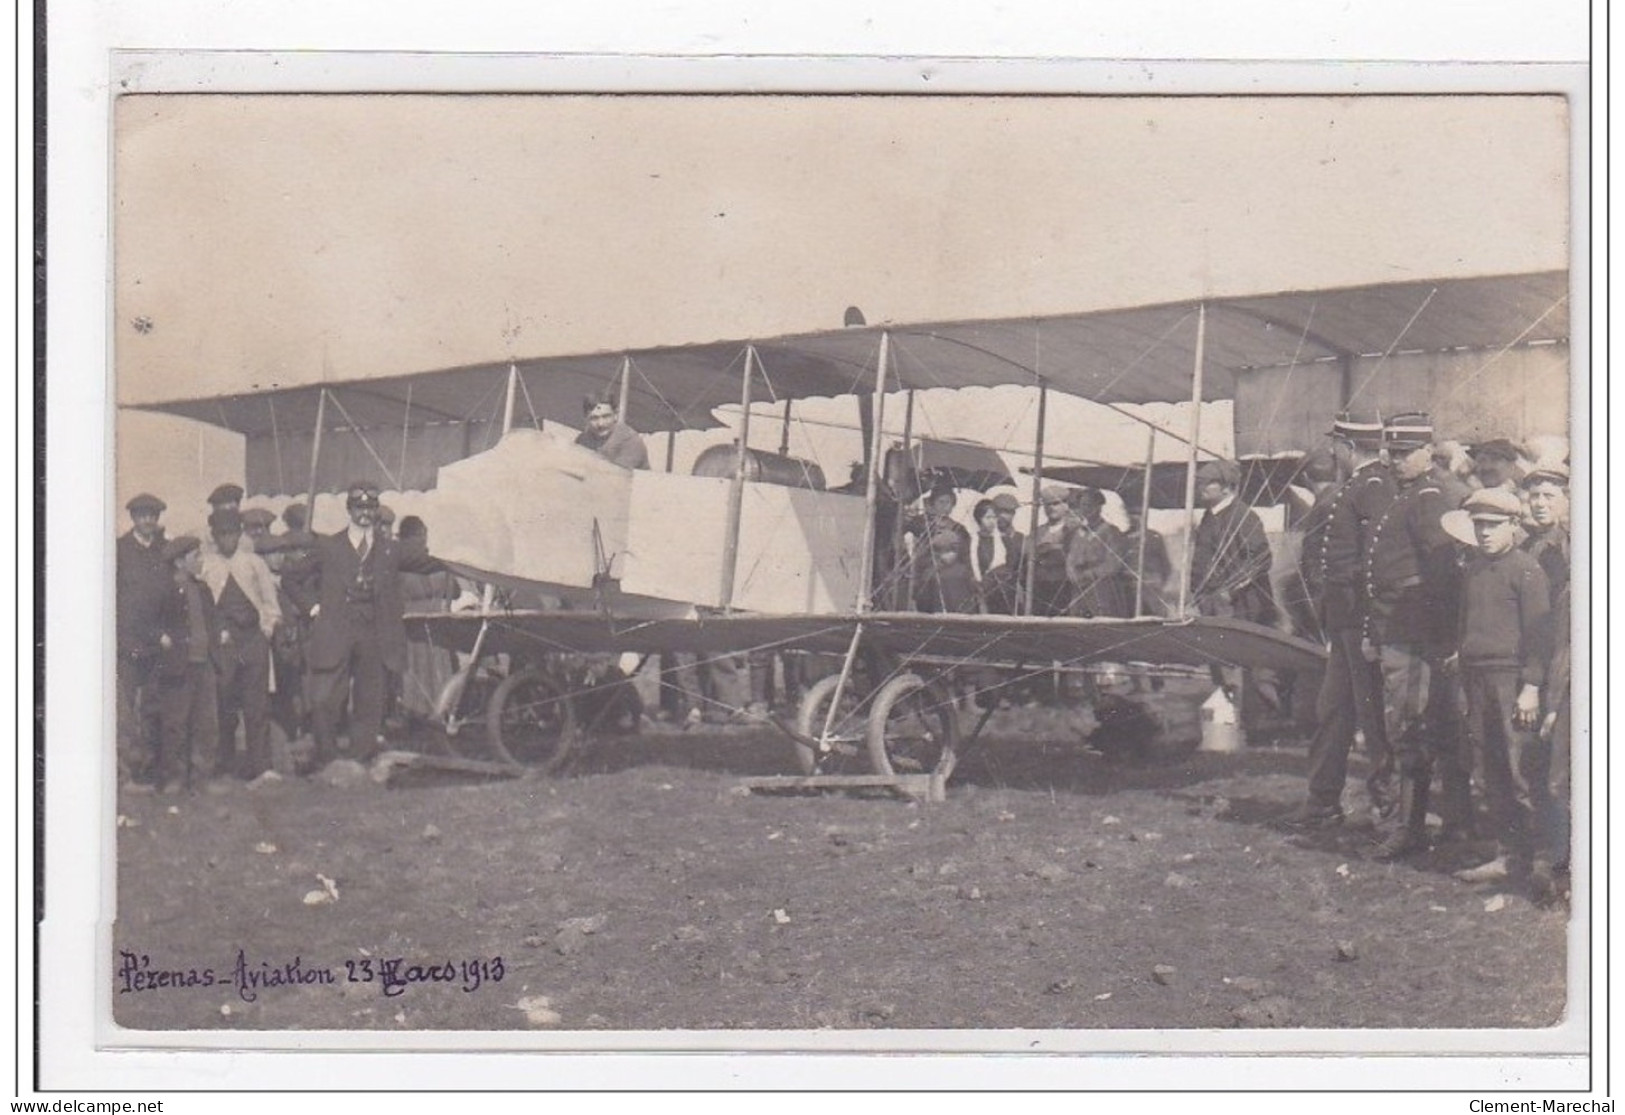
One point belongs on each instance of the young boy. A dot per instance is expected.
(1504, 653)
(187, 711)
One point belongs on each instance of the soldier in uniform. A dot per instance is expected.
(1411, 587)
(1350, 697)
(144, 578)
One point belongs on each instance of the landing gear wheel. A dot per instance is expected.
(913, 728)
(846, 733)
(530, 721)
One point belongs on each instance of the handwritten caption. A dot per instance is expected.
(392, 975)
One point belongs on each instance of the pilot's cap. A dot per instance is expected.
(362, 493)
(1227, 473)
(224, 494)
(1493, 505)
(146, 504)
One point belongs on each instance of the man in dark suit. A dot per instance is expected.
(1230, 576)
(145, 578)
(356, 630)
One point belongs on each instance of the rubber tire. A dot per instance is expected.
(810, 723)
(939, 718)
(512, 742)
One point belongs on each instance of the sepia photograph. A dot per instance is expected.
(858, 571)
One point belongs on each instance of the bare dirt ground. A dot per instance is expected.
(644, 889)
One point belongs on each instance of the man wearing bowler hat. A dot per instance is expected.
(143, 579)
(357, 632)
(1334, 558)
(1409, 629)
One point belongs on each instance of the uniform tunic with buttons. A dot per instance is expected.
(1411, 582)
(1352, 513)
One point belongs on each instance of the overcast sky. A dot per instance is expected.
(279, 239)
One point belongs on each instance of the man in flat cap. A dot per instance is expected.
(1495, 463)
(1505, 644)
(188, 645)
(1350, 697)
(1097, 562)
(1546, 491)
(1050, 544)
(226, 497)
(357, 633)
(247, 612)
(142, 580)
(1409, 630)
(1230, 575)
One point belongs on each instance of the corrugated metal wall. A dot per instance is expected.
(1520, 394)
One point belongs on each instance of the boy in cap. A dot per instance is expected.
(1350, 697)
(143, 580)
(188, 647)
(226, 497)
(1503, 656)
(1411, 588)
(248, 612)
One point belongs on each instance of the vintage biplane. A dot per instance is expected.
(757, 553)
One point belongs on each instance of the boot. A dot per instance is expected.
(1411, 834)
(1456, 808)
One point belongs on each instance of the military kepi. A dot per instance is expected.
(1408, 431)
(1356, 427)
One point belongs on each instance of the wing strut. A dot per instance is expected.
(1027, 555)
(1145, 506)
(866, 567)
(736, 495)
(1190, 461)
(316, 457)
